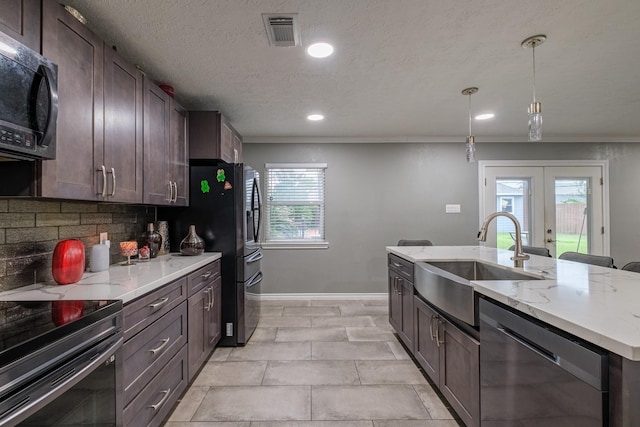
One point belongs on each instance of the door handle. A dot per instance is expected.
(170, 198)
(175, 193)
(160, 302)
(113, 178)
(161, 402)
(104, 181)
(165, 341)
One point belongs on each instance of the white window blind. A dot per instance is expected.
(295, 197)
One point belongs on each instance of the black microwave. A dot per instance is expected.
(28, 102)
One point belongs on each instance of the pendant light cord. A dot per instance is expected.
(534, 71)
(469, 114)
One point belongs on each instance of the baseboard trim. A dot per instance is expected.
(323, 296)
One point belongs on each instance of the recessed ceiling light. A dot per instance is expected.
(320, 50)
(485, 116)
(315, 117)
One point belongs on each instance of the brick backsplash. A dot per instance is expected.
(31, 228)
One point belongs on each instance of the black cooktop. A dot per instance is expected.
(26, 326)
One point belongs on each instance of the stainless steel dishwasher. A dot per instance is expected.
(534, 375)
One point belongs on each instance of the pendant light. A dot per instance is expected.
(470, 148)
(535, 109)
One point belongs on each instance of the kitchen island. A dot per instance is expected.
(598, 305)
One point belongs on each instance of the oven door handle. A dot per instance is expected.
(36, 395)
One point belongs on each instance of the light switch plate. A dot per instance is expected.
(103, 236)
(452, 208)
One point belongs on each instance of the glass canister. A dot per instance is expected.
(152, 239)
(192, 244)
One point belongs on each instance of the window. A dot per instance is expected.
(294, 205)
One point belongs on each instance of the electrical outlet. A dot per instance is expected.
(229, 329)
(103, 236)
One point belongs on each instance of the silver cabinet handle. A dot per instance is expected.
(212, 297)
(113, 177)
(161, 402)
(438, 342)
(395, 264)
(206, 275)
(159, 303)
(104, 181)
(400, 286)
(163, 345)
(207, 304)
(170, 198)
(433, 335)
(175, 193)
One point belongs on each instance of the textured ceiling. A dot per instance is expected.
(398, 66)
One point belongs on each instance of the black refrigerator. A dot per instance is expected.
(226, 209)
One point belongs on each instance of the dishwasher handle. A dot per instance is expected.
(536, 348)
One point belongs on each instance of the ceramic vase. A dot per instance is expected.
(192, 244)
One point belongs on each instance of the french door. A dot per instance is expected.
(560, 207)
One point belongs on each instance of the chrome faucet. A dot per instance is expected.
(519, 256)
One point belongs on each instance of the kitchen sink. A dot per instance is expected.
(446, 284)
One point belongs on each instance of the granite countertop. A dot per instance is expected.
(119, 282)
(600, 305)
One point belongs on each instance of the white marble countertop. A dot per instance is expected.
(600, 305)
(119, 282)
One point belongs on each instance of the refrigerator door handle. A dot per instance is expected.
(256, 256)
(256, 206)
(254, 280)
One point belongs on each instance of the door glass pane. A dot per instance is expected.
(512, 196)
(572, 215)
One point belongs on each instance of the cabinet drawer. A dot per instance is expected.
(153, 404)
(401, 266)
(146, 353)
(143, 311)
(200, 277)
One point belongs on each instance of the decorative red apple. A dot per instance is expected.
(68, 261)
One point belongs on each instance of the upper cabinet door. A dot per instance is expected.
(79, 55)
(178, 155)
(20, 19)
(158, 187)
(122, 129)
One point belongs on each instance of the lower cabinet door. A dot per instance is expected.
(155, 402)
(214, 315)
(395, 302)
(198, 343)
(406, 295)
(426, 350)
(460, 373)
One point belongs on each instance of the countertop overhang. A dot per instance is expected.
(597, 304)
(119, 282)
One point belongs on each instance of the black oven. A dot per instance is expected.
(28, 102)
(61, 363)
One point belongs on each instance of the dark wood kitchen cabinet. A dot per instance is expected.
(451, 358)
(155, 354)
(212, 137)
(20, 19)
(165, 148)
(99, 136)
(79, 55)
(401, 298)
(204, 313)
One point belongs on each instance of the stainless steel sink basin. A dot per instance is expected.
(446, 284)
(474, 270)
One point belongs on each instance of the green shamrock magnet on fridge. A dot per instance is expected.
(204, 186)
(220, 175)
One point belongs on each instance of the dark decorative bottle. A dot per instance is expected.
(192, 244)
(152, 239)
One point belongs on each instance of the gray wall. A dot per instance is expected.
(380, 193)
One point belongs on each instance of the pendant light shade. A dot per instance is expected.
(535, 108)
(470, 147)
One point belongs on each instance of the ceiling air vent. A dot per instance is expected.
(282, 29)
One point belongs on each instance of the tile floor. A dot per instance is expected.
(314, 363)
